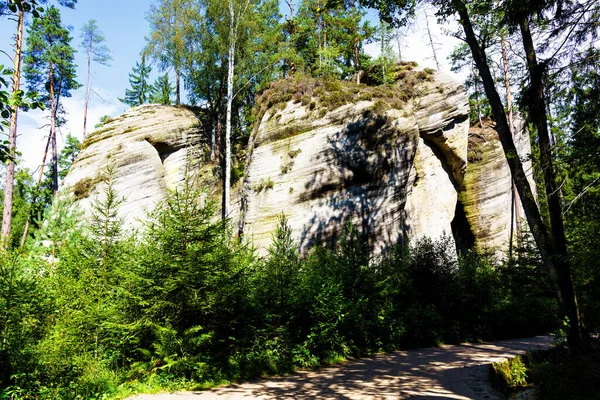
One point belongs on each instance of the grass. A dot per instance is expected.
(263, 184)
(321, 95)
(81, 190)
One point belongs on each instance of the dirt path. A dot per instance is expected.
(447, 372)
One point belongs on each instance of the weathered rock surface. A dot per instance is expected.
(148, 147)
(487, 195)
(393, 174)
(398, 170)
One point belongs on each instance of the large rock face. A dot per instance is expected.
(490, 204)
(392, 161)
(392, 172)
(148, 149)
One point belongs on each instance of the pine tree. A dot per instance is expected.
(140, 88)
(50, 69)
(162, 90)
(92, 42)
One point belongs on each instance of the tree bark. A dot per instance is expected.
(515, 218)
(356, 42)
(12, 139)
(87, 90)
(555, 263)
(177, 85)
(437, 64)
(538, 115)
(53, 109)
(230, 71)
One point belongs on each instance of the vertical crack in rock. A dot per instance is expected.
(461, 229)
(454, 163)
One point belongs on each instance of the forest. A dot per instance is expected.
(90, 310)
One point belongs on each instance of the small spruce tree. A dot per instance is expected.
(140, 88)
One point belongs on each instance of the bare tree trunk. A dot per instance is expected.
(230, 71)
(53, 111)
(556, 264)
(290, 4)
(537, 111)
(437, 64)
(87, 90)
(356, 42)
(12, 139)
(177, 85)
(213, 136)
(399, 44)
(219, 146)
(515, 218)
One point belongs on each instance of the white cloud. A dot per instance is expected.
(33, 126)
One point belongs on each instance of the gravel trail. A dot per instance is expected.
(447, 372)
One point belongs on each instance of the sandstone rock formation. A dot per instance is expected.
(393, 172)
(489, 203)
(148, 147)
(392, 161)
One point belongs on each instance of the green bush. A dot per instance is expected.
(190, 304)
(511, 372)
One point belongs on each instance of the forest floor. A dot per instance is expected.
(446, 372)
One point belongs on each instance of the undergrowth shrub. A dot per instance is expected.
(190, 304)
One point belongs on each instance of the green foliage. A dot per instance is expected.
(24, 190)
(162, 90)
(67, 155)
(560, 374)
(23, 309)
(189, 304)
(511, 372)
(92, 42)
(49, 50)
(140, 88)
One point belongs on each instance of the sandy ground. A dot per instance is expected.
(447, 372)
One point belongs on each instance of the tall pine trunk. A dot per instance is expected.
(538, 115)
(515, 217)
(87, 90)
(12, 138)
(53, 112)
(556, 265)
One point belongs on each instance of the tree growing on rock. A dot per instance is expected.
(140, 88)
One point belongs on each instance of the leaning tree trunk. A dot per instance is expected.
(12, 139)
(556, 265)
(538, 115)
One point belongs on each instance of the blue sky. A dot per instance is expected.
(125, 27)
